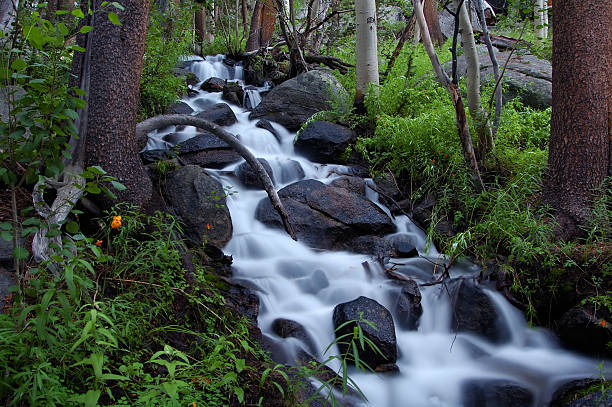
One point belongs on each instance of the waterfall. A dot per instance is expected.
(299, 283)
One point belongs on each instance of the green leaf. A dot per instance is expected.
(8, 225)
(118, 186)
(239, 394)
(91, 398)
(20, 253)
(240, 365)
(118, 6)
(114, 18)
(72, 227)
(19, 65)
(78, 13)
(93, 189)
(96, 169)
(71, 113)
(85, 29)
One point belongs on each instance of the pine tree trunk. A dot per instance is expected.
(366, 47)
(430, 9)
(268, 20)
(116, 65)
(579, 155)
(254, 32)
(245, 18)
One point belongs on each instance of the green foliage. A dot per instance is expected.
(168, 39)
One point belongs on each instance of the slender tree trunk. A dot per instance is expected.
(200, 25)
(540, 20)
(579, 155)
(366, 48)
(481, 123)
(430, 9)
(245, 18)
(116, 65)
(254, 32)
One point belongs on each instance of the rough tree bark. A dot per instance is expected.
(245, 18)
(366, 70)
(200, 24)
(580, 152)
(430, 9)
(115, 68)
(253, 42)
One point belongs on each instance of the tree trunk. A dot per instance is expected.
(268, 20)
(253, 40)
(540, 20)
(8, 11)
(115, 68)
(200, 25)
(430, 9)
(366, 48)
(579, 155)
(245, 18)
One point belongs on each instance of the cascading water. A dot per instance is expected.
(298, 283)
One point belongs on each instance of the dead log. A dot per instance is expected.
(157, 122)
(332, 62)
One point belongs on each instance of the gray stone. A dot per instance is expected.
(408, 307)
(199, 201)
(249, 178)
(220, 114)
(324, 142)
(495, 393)
(6, 281)
(293, 102)
(179, 108)
(208, 151)
(213, 85)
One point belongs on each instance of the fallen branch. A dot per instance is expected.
(332, 62)
(145, 127)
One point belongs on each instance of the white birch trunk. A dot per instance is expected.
(367, 49)
(541, 19)
(471, 59)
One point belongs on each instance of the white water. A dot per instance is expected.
(302, 284)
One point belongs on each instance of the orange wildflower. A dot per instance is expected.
(116, 223)
(208, 226)
(99, 243)
(603, 323)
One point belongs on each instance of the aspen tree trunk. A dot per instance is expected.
(367, 49)
(540, 20)
(483, 129)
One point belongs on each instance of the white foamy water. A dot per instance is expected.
(296, 282)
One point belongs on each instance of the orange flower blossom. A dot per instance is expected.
(99, 243)
(116, 223)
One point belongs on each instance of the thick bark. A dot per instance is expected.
(116, 65)
(430, 9)
(366, 70)
(8, 11)
(145, 127)
(253, 42)
(581, 121)
(200, 24)
(268, 20)
(245, 18)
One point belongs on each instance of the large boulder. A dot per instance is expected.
(208, 151)
(287, 328)
(179, 107)
(249, 178)
(383, 336)
(475, 313)
(495, 393)
(293, 102)
(326, 217)
(220, 114)
(213, 84)
(581, 328)
(408, 307)
(581, 393)
(527, 76)
(233, 93)
(199, 201)
(324, 142)
(7, 280)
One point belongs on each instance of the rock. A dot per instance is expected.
(190, 78)
(266, 125)
(293, 102)
(287, 328)
(249, 178)
(291, 170)
(495, 393)
(388, 190)
(527, 76)
(213, 84)
(475, 313)
(203, 104)
(6, 254)
(233, 93)
(208, 151)
(153, 156)
(408, 307)
(383, 336)
(324, 216)
(378, 247)
(6, 281)
(199, 200)
(566, 394)
(324, 142)
(242, 300)
(179, 108)
(220, 114)
(354, 184)
(313, 283)
(580, 329)
(403, 246)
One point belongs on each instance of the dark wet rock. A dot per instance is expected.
(213, 84)
(408, 307)
(208, 151)
(6, 254)
(287, 328)
(203, 104)
(293, 102)
(387, 368)
(179, 108)
(291, 170)
(527, 76)
(220, 114)
(324, 216)
(567, 395)
(386, 186)
(495, 393)
(580, 329)
(324, 142)
(249, 178)
(377, 246)
(313, 283)
(475, 313)
(266, 125)
(353, 184)
(403, 245)
(233, 93)
(153, 156)
(190, 78)
(242, 300)
(199, 201)
(421, 215)
(383, 336)
(7, 280)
